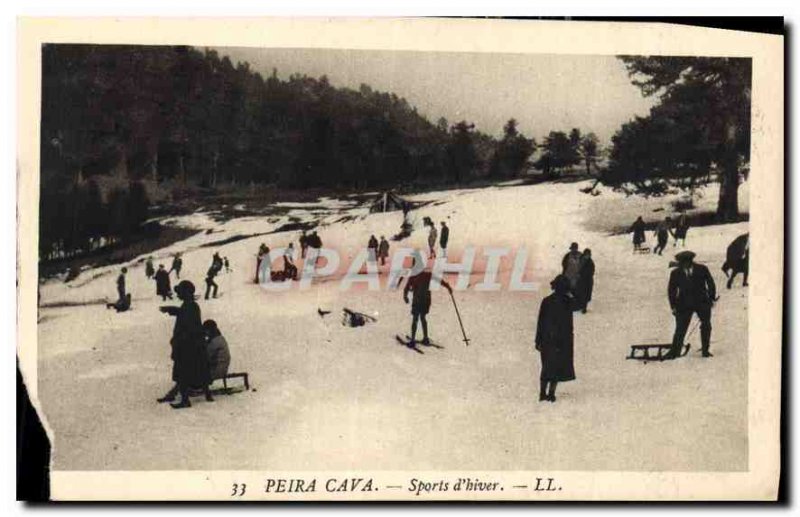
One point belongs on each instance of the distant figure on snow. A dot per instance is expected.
(177, 264)
(737, 259)
(372, 249)
(163, 287)
(638, 233)
(662, 231)
(432, 235)
(149, 271)
(585, 285)
(691, 290)
(554, 339)
(303, 244)
(227, 264)
(444, 237)
(189, 359)
(211, 285)
(263, 253)
(289, 269)
(216, 261)
(219, 355)
(420, 286)
(571, 265)
(383, 250)
(315, 243)
(681, 229)
(121, 284)
(121, 305)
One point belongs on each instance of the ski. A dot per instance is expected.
(430, 343)
(407, 344)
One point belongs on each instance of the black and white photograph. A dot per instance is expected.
(474, 271)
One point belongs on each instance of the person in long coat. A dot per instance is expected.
(681, 229)
(638, 230)
(383, 250)
(149, 270)
(554, 339)
(372, 248)
(571, 265)
(189, 359)
(585, 281)
(691, 290)
(163, 287)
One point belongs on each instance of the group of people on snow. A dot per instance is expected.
(378, 251)
(663, 230)
(433, 235)
(578, 268)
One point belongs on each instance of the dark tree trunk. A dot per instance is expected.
(728, 205)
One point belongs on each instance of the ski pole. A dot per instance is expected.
(460, 324)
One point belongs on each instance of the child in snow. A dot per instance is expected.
(219, 356)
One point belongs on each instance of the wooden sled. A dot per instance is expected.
(194, 392)
(643, 250)
(654, 353)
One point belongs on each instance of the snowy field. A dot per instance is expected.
(332, 397)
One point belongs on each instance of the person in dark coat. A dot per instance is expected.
(121, 285)
(383, 250)
(189, 359)
(303, 244)
(681, 229)
(554, 339)
(420, 287)
(585, 281)
(571, 263)
(444, 238)
(211, 285)
(691, 291)
(177, 264)
(149, 270)
(662, 231)
(219, 355)
(372, 249)
(638, 231)
(737, 259)
(163, 287)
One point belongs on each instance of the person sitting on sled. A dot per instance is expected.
(420, 286)
(219, 355)
(691, 290)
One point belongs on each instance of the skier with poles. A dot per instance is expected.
(420, 287)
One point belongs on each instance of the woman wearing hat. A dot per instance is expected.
(554, 339)
(190, 364)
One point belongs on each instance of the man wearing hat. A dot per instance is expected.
(691, 290)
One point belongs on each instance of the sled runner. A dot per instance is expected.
(407, 344)
(643, 250)
(654, 352)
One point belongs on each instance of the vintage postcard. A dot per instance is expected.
(401, 259)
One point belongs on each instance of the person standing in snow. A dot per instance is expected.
(681, 229)
(303, 244)
(691, 290)
(432, 235)
(372, 249)
(571, 265)
(227, 264)
(121, 285)
(211, 285)
(662, 231)
(189, 359)
(177, 264)
(638, 231)
(554, 339)
(163, 287)
(383, 250)
(420, 287)
(315, 243)
(585, 284)
(444, 237)
(149, 271)
(263, 253)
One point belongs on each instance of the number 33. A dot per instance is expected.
(238, 490)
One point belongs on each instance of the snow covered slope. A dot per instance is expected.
(333, 397)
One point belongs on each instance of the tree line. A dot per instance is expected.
(190, 116)
(699, 131)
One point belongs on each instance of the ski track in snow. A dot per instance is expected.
(332, 397)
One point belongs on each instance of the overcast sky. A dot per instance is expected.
(543, 92)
